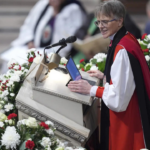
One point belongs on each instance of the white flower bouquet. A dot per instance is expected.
(29, 134)
(145, 46)
(95, 63)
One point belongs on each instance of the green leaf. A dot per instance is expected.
(27, 136)
(87, 68)
(144, 46)
(94, 61)
(81, 66)
(22, 146)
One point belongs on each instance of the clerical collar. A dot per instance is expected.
(112, 37)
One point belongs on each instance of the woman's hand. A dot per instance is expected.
(96, 73)
(31, 45)
(80, 86)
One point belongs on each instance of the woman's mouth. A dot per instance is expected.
(103, 32)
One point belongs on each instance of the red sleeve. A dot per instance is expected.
(99, 92)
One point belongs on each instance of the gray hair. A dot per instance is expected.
(112, 8)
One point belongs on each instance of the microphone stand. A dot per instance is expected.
(61, 48)
(45, 58)
(64, 45)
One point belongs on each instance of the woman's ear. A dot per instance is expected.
(120, 22)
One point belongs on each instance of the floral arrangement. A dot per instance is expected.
(145, 45)
(95, 63)
(63, 61)
(28, 133)
(10, 84)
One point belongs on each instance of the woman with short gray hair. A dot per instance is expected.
(114, 9)
(125, 114)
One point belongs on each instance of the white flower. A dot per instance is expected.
(15, 78)
(2, 111)
(100, 56)
(60, 148)
(58, 141)
(12, 94)
(10, 138)
(91, 60)
(12, 61)
(148, 36)
(61, 144)
(80, 148)
(63, 60)
(100, 59)
(30, 139)
(32, 50)
(8, 107)
(142, 43)
(19, 73)
(16, 67)
(46, 141)
(10, 83)
(25, 71)
(148, 46)
(5, 98)
(1, 124)
(1, 102)
(21, 122)
(87, 65)
(139, 40)
(147, 58)
(94, 68)
(68, 148)
(78, 66)
(4, 94)
(37, 59)
(50, 131)
(31, 122)
(48, 148)
(22, 68)
(10, 122)
(49, 123)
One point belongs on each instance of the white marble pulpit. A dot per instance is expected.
(46, 97)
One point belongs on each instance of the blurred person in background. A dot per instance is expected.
(147, 27)
(47, 23)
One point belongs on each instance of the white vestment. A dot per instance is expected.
(66, 24)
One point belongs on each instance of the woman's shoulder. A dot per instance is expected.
(71, 7)
(41, 3)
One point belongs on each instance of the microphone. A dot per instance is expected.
(63, 41)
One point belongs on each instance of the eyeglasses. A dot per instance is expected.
(103, 22)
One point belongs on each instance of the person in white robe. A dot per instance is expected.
(48, 22)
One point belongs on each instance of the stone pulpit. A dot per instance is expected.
(47, 97)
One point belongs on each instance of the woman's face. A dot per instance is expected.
(109, 25)
(56, 3)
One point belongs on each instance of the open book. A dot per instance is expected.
(93, 44)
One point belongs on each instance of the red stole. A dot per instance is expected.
(125, 131)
